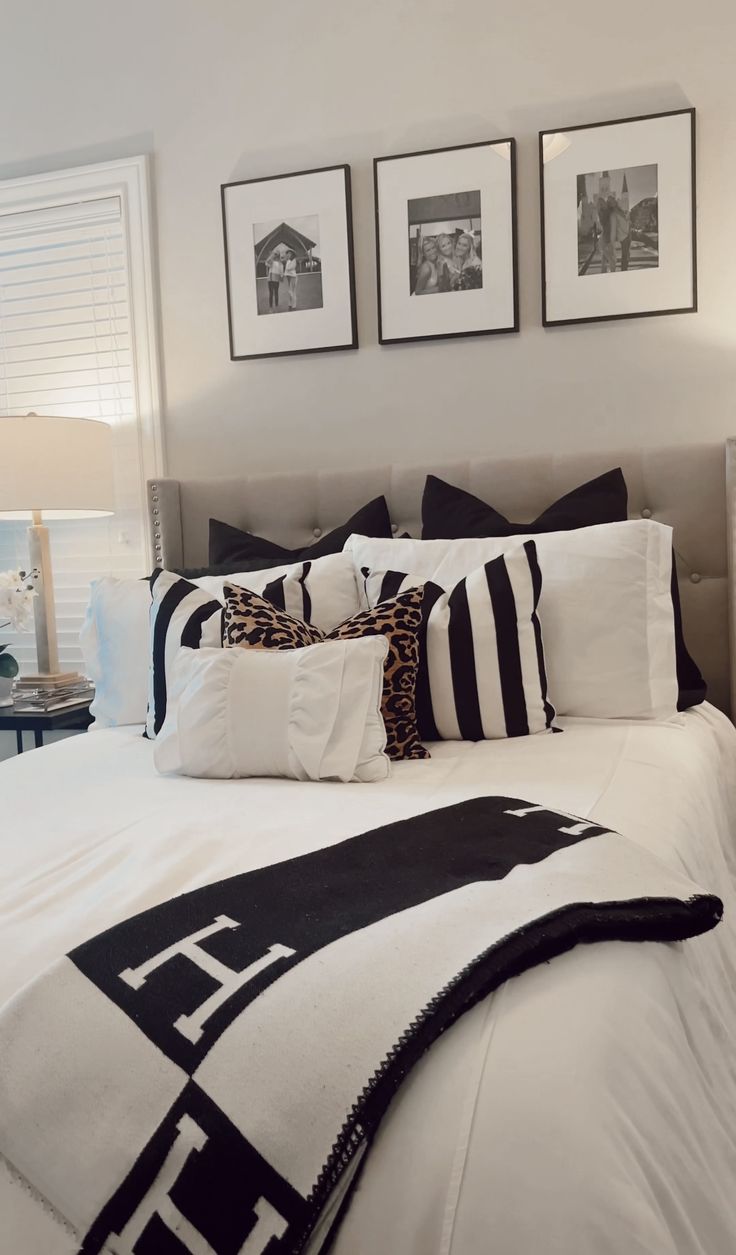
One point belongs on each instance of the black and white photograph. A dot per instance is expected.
(618, 219)
(445, 247)
(446, 226)
(288, 242)
(288, 265)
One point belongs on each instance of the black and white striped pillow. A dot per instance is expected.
(182, 613)
(323, 591)
(481, 671)
(290, 592)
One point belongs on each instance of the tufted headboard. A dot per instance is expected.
(691, 487)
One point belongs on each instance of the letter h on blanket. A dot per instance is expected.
(575, 830)
(191, 1140)
(192, 1026)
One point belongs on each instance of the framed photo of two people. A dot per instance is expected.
(289, 264)
(446, 228)
(618, 219)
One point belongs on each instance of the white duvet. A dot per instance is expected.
(586, 1108)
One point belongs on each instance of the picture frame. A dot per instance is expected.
(289, 263)
(446, 226)
(618, 219)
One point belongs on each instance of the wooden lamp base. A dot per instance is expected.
(44, 611)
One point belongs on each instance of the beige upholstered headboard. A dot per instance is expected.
(692, 488)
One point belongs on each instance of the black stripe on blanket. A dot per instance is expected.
(185, 970)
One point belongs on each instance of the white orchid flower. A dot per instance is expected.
(17, 591)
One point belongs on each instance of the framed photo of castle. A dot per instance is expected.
(446, 227)
(618, 219)
(289, 268)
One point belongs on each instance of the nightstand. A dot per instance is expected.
(71, 719)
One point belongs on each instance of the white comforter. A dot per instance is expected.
(586, 1108)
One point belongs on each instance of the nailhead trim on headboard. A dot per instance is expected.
(158, 553)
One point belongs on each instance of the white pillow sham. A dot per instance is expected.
(114, 640)
(116, 632)
(605, 609)
(304, 714)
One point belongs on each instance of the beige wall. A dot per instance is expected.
(224, 89)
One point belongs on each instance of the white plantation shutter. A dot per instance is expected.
(67, 347)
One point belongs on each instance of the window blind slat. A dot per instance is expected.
(31, 223)
(46, 265)
(61, 269)
(56, 253)
(69, 346)
(81, 363)
(36, 328)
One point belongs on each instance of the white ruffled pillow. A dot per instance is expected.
(305, 714)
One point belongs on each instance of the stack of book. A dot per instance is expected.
(42, 695)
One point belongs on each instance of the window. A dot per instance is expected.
(77, 337)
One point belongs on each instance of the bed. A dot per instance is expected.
(598, 1108)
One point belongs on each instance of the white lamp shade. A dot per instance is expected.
(60, 466)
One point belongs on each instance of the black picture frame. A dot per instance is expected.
(351, 341)
(514, 325)
(688, 308)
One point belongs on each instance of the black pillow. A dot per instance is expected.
(233, 547)
(450, 513)
(226, 568)
(692, 687)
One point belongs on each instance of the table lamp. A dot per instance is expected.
(53, 468)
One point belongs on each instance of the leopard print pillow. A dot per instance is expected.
(252, 622)
(399, 620)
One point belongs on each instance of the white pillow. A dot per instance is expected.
(605, 609)
(114, 640)
(306, 714)
(116, 631)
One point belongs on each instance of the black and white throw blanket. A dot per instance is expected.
(207, 1076)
